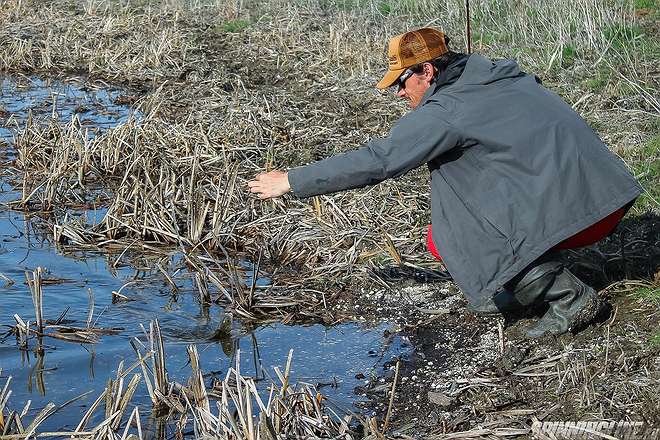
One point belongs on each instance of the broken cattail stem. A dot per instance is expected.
(34, 284)
(197, 380)
(392, 392)
(90, 313)
(22, 331)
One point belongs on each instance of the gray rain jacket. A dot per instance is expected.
(514, 170)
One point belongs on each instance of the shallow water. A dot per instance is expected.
(94, 103)
(326, 356)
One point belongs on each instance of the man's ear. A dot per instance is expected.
(429, 71)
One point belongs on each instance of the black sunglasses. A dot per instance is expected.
(401, 82)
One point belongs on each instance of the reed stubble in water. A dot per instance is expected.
(292, 86)
(228, 89)
(239, 412)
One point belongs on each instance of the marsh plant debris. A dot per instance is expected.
(84, 325)
(230, 89)
(58, 328)
(240, 295)
(221, 90)
(231, 408)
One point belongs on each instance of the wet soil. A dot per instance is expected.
(470, 372)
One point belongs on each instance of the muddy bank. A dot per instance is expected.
(482, 376)
(230, 90)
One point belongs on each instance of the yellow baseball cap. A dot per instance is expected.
(412, 48)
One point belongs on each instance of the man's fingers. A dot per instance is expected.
(257, 188)
(268, 185)
(257, 181)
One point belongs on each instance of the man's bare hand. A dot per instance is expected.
(272, 184)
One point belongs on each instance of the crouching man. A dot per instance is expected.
(515, 175)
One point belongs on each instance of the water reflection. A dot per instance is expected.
(36, 374)
(135, 286)
(97, 105)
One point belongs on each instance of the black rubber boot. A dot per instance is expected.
(572, 304)
(501, 303)
(508, 301)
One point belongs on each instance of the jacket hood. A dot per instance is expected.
(447, 77)
(480, 70)
(452, 73)
(473, 69)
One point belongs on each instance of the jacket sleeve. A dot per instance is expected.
(414, 140)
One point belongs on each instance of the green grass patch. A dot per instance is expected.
(596, 84)
(655, 339)
(599, 81)
(622, 36)
(648, 294)
(568, 55)
(644, 162)
(647, 4)
(384, 8)
(235, 26)
(650, 46)
(485, 38)
(652, 147)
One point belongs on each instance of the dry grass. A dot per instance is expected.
(290, 411)
(226, 89)
(290, 85)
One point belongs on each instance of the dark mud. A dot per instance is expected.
(480, 374)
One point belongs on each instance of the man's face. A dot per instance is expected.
(414, 87)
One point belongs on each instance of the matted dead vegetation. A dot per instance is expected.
(226, 89)
(229, 89)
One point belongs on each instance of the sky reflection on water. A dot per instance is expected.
(326, 356)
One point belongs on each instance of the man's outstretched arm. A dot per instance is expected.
(415, 140)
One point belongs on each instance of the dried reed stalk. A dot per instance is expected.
(290, 410)
(175, 175)
(34, 284)
(87, 335)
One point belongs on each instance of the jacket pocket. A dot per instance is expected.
(497, 208)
